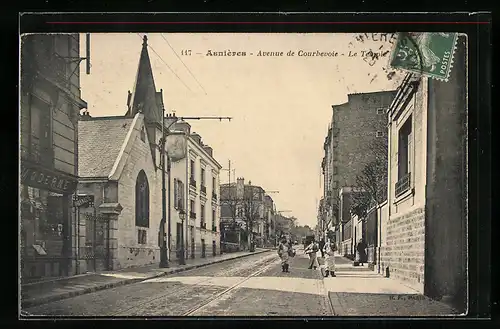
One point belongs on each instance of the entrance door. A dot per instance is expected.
(178, 240)
(203, 248)
(192, 242)
(214, 248)
(96, 245)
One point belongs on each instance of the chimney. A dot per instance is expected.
(208, 149)
(182, 126)
(240, 187)
(169, 120)
(196, 137)
(85, 116)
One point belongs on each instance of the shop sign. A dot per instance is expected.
(46, 179)
(83, 200)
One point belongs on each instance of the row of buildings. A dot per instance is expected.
(249, 216)
(92, 188)
(395, 175)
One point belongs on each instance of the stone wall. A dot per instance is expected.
(404, 249)
(130, 252)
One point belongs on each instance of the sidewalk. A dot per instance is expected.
(359, 291)
(49, 291)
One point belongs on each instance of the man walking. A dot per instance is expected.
(321, 247)
(312, 250)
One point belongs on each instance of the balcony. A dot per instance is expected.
(214, 196)
(192, 182)
(203, 189)
(402, 185)
(192, 215)
(203, 225)
(214, 228)
(43, 156)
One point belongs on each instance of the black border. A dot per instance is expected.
(480, 80)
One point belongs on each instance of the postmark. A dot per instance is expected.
(427, 53)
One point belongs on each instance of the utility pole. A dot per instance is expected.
(165, 132)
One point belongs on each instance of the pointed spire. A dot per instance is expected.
(144, 96)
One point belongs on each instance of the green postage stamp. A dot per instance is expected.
(426, 53)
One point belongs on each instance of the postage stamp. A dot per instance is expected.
(428, 54)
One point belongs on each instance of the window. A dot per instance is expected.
(380, 134)
(213, 183)
(404, 148)
(142, 200)
(202, 220)
(202, 177)
(178, 194)
(404, 157)
(192, 169)
(41, 134)
(141, 237)
(380, 111)
(192, 212)
(143, 134)
(214, 228)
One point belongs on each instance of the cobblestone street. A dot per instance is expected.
(254, 286)
(250, 286)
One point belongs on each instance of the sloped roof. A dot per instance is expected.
(99, 143)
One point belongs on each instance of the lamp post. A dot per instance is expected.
(182, 260)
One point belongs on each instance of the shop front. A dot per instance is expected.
(45, 197)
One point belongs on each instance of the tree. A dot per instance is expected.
(371, 182)
(252, 208)
(231, 202)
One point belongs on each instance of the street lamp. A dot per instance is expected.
(182, 216)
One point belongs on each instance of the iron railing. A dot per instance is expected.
(402, 185)
(214, 196)
(192, 182)
(192, 215)
(203, 189)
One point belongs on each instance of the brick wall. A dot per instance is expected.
(404, 249)
(130, 253)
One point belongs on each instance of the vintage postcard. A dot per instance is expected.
(243, 174)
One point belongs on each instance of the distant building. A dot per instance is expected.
(424, 223)
(243, 204)
(348, 145)
(50, 102)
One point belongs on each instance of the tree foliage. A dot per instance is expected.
(231, 202)
(371, 182)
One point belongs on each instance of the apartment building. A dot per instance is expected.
(50, 102)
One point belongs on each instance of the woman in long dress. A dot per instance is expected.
(329, 249)
(283, 250)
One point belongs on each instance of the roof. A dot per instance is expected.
(99, 143)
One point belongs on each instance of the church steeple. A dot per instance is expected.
(144, 96)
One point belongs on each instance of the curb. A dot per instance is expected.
(45, 300)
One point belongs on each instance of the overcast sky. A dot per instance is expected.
(281, 106)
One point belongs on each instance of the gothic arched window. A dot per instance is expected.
(142, 200)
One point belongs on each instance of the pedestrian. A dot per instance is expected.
(312, 250)
(361, 252)
(329, 250)
(321, 247)
(283, 253)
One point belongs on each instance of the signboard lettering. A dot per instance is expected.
(45, 179)
(83, 200)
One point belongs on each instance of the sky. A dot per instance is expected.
(281, 106)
